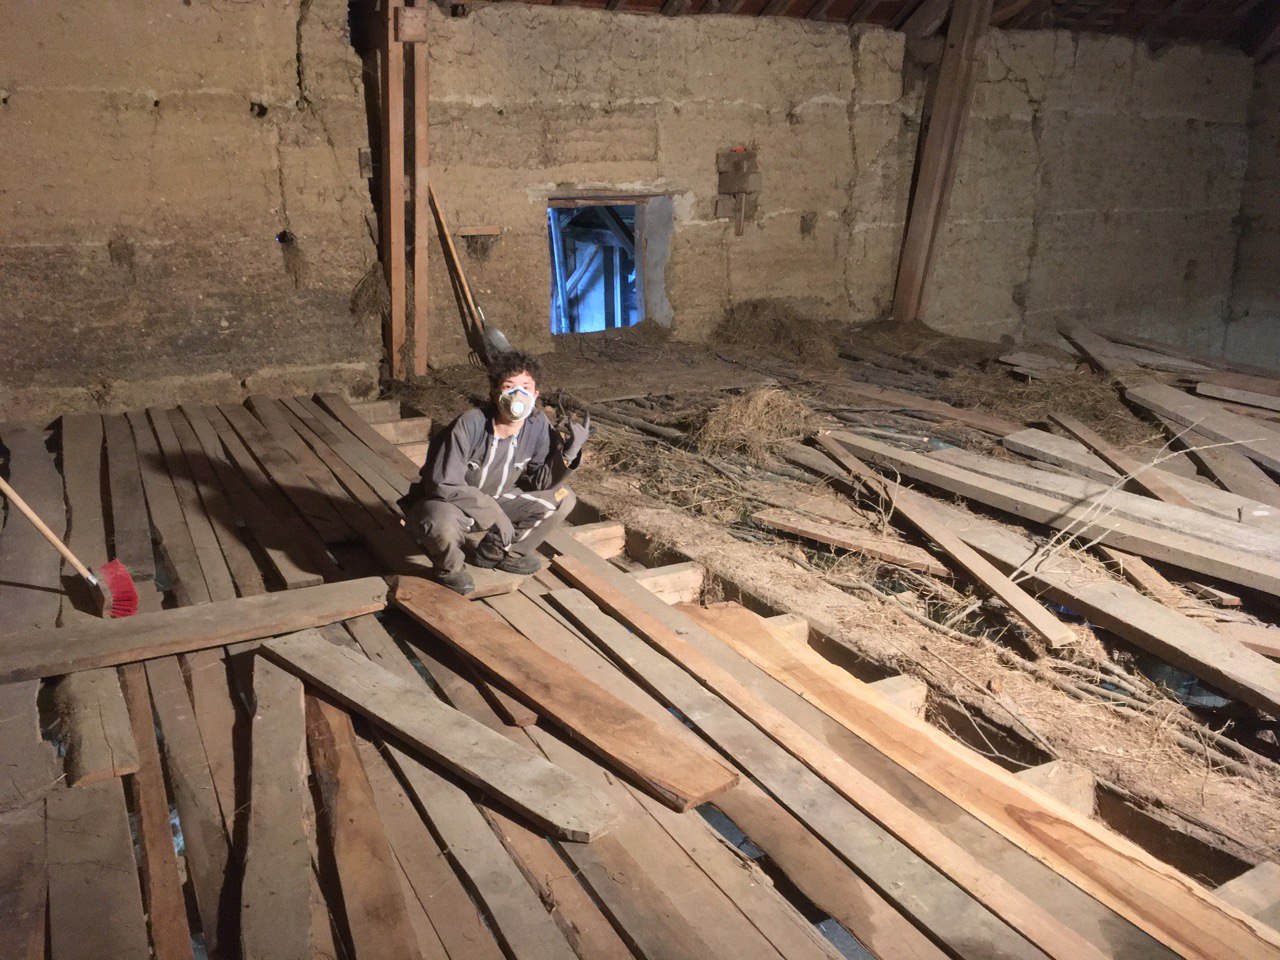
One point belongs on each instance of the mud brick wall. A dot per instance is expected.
(153, 154)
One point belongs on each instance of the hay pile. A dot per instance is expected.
(781, 330)
(754, 424)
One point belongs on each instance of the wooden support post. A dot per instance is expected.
(393, 258)
(421, 206)
(936, 168)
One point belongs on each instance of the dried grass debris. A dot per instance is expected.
(781, 330)
(754, 424)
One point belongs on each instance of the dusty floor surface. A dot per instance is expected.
(697, 499)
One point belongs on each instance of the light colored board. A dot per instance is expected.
(1153, 543)
(367, 870)
(24, 882)
(374, 468)
(161, 882)
(907, 882)
(1235, 395)
(1168, 905)
(408, 430)
(95, 902)
(607, 538)
(1216, 515)
(1230, 468)
(675, 582)
(378, 411)
(647, 753)
(1068, 783)
(425, 725)
(269, 530)
(790, 624)
(276, 889)
(416, 452)
(1147, 623)
(149, 635)
(907, 693)
(918, 512)
(1256, 637)
(1261, 443)
(1136, 472)
(888, 549)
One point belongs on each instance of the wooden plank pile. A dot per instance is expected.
(301, 748)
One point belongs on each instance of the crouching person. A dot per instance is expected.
(499, 469)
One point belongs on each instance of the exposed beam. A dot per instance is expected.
(936, 168)
(619, 228)
(927, 19)
(774, 8)
(673, 8)
(421, 205)
(393, 257)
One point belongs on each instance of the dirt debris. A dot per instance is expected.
(781, 331)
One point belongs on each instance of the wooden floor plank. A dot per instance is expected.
(1259, 442)
(145, 636)
(416, 718)
(1155, 897)
(367, 869)
(294, 567)
(375, 471)
(1153, 543)
(208, 847)
(131, 537)
(888, 549)
(375, 441)
(647, 753)
(24, 882)
(30, 598)
(460, 928)
(910, 884)
(1231, 469)
(161, 883)
(96, 729)
(293, 479)
(275, 893)
(95, 902)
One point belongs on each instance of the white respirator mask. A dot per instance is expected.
(516, 403)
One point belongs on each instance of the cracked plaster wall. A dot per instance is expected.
(1253, 335)
(153, 152)
(1099, 183)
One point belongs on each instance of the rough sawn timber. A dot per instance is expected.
(101, 643)
(652, 757)
(1166, 904)
(416, 718)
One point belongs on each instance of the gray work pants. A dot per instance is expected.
(441, 528)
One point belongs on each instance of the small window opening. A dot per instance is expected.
(594, 274)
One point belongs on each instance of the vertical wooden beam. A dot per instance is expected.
(393, 258)
(936, 169)
(421, 206)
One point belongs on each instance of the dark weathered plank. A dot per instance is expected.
(367, 869)
(375, 441)
(95, 902)
(24, 882)
(161, 883)
(275, 893)
(648, 753)
(294, 566)
(146, 636)
(415, 717)
(375, 471)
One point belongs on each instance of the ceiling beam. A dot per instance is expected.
(927, 19)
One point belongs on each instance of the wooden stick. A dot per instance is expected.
(1139, 474)
(421, 236)
(393, 257)
(12, 496)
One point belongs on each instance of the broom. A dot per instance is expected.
(120, 595)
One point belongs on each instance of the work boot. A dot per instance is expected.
(489, 552)
(459, 581)
(520, 565)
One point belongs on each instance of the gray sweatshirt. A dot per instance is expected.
(468, 466)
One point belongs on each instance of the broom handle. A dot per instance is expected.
(48, 534)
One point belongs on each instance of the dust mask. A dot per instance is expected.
(516, 403)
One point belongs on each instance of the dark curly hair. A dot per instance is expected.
(508, 364)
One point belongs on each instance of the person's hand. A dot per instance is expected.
(578, 434)
(504, 531)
